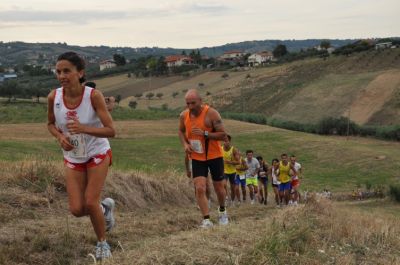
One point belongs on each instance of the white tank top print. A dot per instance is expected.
(85, 146)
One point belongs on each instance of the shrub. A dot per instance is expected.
(394, 192)
(174, 94)
(133, 104)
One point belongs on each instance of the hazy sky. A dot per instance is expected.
(193, 24)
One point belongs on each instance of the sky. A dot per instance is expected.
(194, 24)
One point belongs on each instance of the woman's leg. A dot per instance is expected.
(96, 177)
(76, 182)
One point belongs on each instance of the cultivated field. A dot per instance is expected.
(366, 85)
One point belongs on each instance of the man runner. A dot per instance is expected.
(295, 180)
(200, 129)
(251, 175)
(263, 180)
(240, 179)
(230, 162)
(283, 169)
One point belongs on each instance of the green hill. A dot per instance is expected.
(366, 85)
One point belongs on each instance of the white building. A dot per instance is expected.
(260, 58)
(232, 55)
(178, 60)
(383, 45)
(107, 64)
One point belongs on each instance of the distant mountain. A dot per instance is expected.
(12, 53)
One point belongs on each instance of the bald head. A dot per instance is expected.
(193, 94)
(193, 100)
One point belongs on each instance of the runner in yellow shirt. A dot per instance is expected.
(283, 169)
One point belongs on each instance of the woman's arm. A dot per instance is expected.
(51, 124)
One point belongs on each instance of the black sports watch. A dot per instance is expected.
(206, 134)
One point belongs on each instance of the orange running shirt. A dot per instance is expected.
(198, 142)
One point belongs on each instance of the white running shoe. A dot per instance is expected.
(109, 205)
(295, 203)
(223, 218)
(103, 250)
(206, 223)
(252, 201)
(290, 202)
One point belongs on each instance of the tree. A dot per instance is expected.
(149, 95)
(325, 44)
(119, 59)
(280, 51)
(9, 88)
(138, 95)
(118, 99)
(159, 95)
(132, 104)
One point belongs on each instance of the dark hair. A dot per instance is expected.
(283, 154)
(229, 137)
(90, 84)
(76, 60)
(275, 160)
(249, 151)
(292, 155)
(259, 158)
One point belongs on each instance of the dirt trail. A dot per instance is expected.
(374, 96)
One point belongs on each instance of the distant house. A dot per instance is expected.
(383, 45)
(232, 55)
(5, 77)
(107, 64)
(330, 50)
(178, 60)
(260, 58)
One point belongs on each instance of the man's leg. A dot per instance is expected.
(200, 184)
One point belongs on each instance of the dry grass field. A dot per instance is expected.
(157, 223)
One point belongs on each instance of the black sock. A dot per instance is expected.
(222, 209)
(206, 217)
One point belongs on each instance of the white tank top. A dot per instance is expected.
(85, 146)
(274, 177)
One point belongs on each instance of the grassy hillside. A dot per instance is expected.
(153, 146)
(156, 215)
(366, 84)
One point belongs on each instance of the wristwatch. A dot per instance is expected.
(205, 134)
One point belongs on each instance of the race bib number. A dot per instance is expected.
(196, 146)
(242, 176)
(79, 143)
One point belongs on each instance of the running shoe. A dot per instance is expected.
(103, 250)
(252, 202)
(223, 218)
(206, 223)
(109, 205)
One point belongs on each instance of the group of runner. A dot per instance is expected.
(201, 130)
(79, 118)
(255, 174)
